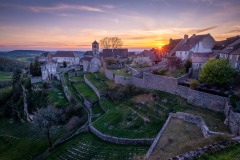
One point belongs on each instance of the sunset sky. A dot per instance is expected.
(141, 24)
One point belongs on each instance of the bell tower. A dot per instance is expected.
(95, 48)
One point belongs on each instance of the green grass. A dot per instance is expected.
(98, 80)
(143, 119)
(121, 72)
(86, 91)
(229, 153)
(88, 146)
(57, 97)
(22, 140)
(77, 79)
(4, 76)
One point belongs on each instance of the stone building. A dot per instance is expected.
(195, 44)
(66, 56)
(49, 70)
(229, 49)
(91, 61)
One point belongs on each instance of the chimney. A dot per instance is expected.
(185, 38)
(194, 35)
(170, 41)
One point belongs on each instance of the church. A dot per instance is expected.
(91, 61)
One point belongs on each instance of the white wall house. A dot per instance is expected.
(195, 44)
(66, 56)
(49, 70)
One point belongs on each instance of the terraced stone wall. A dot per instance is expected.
(145, 141)
(232, 119)
(92, 86)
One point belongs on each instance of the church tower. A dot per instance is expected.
(95, 48)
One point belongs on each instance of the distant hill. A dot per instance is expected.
(21, 55)
(10, 65)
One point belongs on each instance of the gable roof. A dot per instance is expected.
(114, 53)
(191, 42)
(222, 44)
(64, 54)
(88, 53)
(169, 47)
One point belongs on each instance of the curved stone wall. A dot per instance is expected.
(112, 139)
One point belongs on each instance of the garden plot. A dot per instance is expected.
(143, 115)
(86, 91)
(57, 97)
(88, 146)
(179, 137)
(98, 80)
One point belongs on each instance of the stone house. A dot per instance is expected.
(66, 56)
(195, 44)
(229, 49)
(49, 70)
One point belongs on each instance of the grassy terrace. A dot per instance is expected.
(20, 141)
(88, 146)
(143, 117)
(77, 79)
(121, 72)
(98, 80)
(56, 96)
(86, 91)
(4, 76)
(229, 153)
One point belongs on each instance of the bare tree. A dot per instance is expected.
(45, 119)
(105, 43)
(111, 42)
(116, 42)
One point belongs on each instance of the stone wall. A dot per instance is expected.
(158, 82)
(112, 139)
(92, 86)
(132, 70)
(36, 79)
(109, 74)
(122, 80)
(232, 119)
(158, 137)
(202, 99)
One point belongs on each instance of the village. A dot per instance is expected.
(120, 80)
(112, 103)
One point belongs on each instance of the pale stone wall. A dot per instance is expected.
(117, 140)
(92, 86)
(232, 119)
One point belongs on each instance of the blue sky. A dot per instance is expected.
(74, 24)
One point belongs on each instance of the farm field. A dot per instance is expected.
(5, 76)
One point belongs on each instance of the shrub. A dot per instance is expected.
(217, 71)
(194, 84)
(187, 65)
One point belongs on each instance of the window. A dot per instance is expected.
(230, 57)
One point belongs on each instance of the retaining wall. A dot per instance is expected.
(232, 119)
(112, 139)
(109, 74)
(92, 86)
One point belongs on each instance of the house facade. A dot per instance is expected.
(49, 70)
(66, 56)
(195, 44)
(230, 50)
